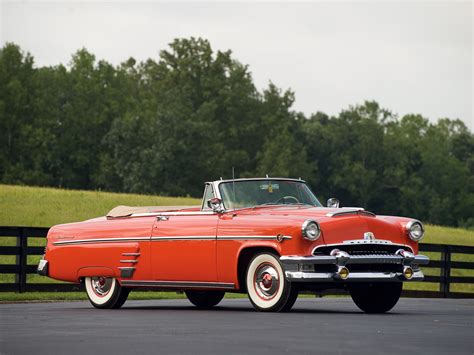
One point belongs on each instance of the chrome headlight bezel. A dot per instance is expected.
(410, 230)
(307, 227)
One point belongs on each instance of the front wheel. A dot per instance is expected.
(267, 287)
(376, 297)
(105, 292)
(205, 299)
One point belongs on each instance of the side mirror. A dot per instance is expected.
(215, 204)
(333, 203)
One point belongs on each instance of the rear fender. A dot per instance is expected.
(95, 271)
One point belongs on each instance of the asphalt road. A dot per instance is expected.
(323, 326)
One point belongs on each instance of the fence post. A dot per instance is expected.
(445, 272)
(21, 260)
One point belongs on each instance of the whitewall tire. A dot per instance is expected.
(105, 292)
(267, 287)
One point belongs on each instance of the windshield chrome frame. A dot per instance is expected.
(217, 192)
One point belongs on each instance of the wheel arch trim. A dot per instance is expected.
(244, 256)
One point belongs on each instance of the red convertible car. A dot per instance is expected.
(268, 237)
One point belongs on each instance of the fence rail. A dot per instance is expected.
(22, 250)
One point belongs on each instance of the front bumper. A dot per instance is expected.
(305, 268)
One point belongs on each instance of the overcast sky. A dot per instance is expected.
(410, 57)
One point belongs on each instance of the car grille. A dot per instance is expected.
(361, 249)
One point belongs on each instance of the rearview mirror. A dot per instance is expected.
(215, 204)
(333, 203)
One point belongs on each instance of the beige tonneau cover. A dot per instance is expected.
(125, 211)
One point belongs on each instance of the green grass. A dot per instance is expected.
(81, 296)
(448, 235)
(44, 207)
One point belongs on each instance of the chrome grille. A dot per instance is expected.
(368, 252)
(362, 249)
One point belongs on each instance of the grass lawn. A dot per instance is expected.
(44, 207)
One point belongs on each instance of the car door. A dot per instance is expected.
(183, 246)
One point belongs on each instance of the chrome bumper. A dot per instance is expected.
(43, 267)
(305, 268)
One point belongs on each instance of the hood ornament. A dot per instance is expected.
(369, 236)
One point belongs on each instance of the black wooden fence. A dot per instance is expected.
(449, 260)
(21, 268)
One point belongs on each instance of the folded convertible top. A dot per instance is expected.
(125, 211)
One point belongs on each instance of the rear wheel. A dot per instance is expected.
(267, 287)
(205, 299)
(105, 292)
(376, 297)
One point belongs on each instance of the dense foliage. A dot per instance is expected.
(164, 126)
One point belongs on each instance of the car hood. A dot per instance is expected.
(343, 224)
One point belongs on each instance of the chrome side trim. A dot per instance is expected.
(102, 240)
(254, 237)
(184, 237)
(171, 238)
(129, 261)
(131, 254)
(225, 237)
(178, 284)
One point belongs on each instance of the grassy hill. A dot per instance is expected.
(44, 207)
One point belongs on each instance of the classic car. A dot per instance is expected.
(268, 237)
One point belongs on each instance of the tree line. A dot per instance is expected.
(166, 125)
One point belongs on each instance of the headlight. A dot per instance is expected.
(415, 230)
(310, 230)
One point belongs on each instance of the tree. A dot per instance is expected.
(280, 155)
(16, 82)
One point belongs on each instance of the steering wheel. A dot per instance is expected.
(284, 198)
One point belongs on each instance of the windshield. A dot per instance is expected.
(249, 193)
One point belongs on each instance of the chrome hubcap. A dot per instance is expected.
(101, 285)
(267, 281)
